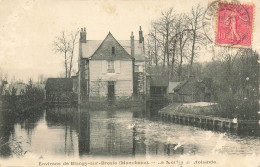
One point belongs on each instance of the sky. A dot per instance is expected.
(29, 27)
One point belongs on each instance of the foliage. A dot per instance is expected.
(19, 105)
(18, 109)
(232, 80)
(234, 83)
(3, 81)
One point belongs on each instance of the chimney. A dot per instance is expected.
(83, 35)
(132, 45)
(141, 38)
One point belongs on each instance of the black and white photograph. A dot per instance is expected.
(129, 83)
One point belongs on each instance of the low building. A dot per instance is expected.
(59, 90)
(189, 91)
(159, 86)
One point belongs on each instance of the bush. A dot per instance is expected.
(235, 85)
(19, 104)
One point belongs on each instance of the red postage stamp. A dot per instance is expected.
(235, 25)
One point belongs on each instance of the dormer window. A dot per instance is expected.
(113, 50)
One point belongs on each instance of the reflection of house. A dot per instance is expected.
(189, 91)
(110, 68)
(59, 90)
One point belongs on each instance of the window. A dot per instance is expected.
(111, 68)
(113, 50)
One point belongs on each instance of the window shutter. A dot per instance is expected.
(117, 66)
(104, 66)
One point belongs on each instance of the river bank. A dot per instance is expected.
(204, 116)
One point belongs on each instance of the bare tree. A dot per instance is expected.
(152, 49)
(153, 45)
(175, 36)
(196, 37)
(61, 45)
(148, 56)
(165, 30)
(73, 43)
(65, 45)
(182, 31)
(41, 79)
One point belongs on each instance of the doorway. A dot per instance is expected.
(111, 91)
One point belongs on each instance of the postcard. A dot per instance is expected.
(122, 83)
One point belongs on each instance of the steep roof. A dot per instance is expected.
(90, 47)
(138, 49)
(59, 84)
(183, 87)
(104, 51)
(188, 87)
(173, 85)
(159, 80)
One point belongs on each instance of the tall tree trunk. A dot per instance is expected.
(66, 65)
(71, 61)
(149, 57)
(164, 52)
(192, 51)
(173, 57)
(167, 47)
(181, 57)
(155, 49)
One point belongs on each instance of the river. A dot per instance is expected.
(65, 132)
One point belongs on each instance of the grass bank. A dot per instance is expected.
(205, 109)
(201, 108)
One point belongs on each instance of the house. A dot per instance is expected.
(110, 69)
(59, 90)
(18, 88)
(189, 91)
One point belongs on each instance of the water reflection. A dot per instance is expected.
(81, 133)
(63, 124)
(10, 142)
(6, 128)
